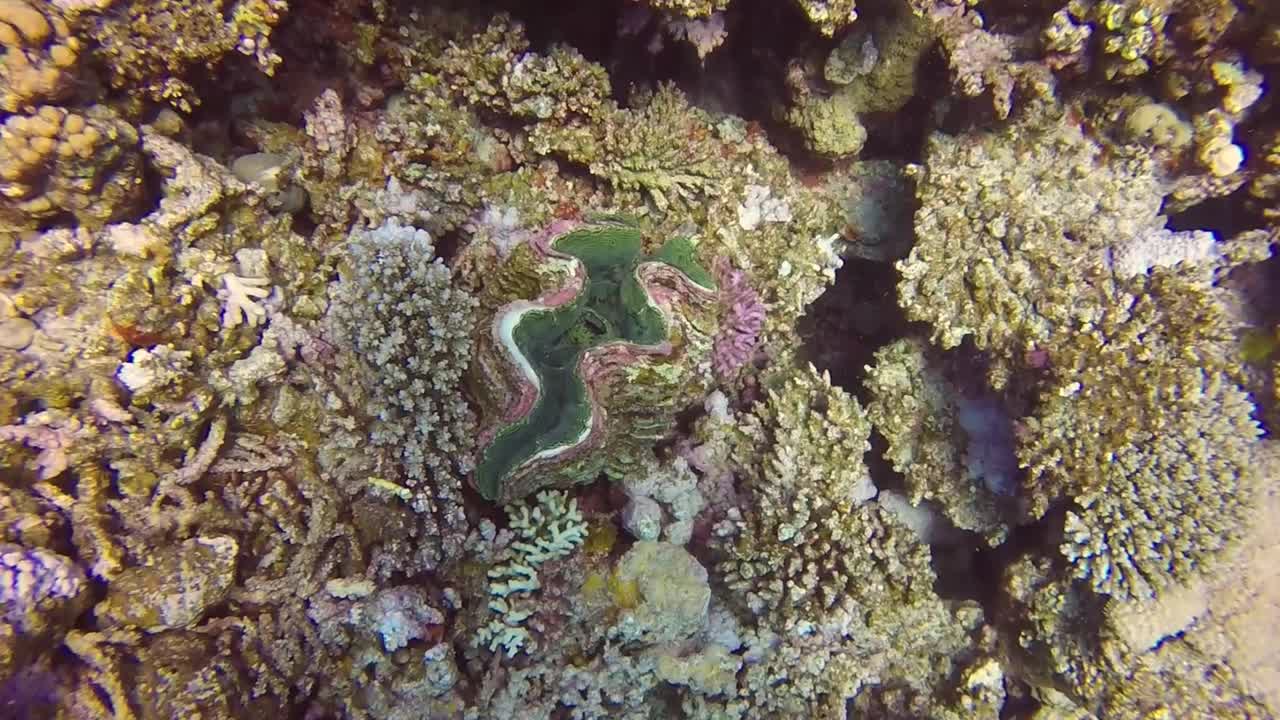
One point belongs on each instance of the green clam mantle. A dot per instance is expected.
(548, 342)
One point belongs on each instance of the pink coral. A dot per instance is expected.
(743, 319)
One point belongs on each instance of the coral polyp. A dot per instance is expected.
(625, 335)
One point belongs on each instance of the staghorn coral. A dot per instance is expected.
(177, 378)
(570, 380)
(55, 162)
(549, 530)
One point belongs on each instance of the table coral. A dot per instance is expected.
(584, 378)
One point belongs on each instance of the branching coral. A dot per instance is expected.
(549, 530)
(1008, 221)
(830, 571)
(1153, 442)
(794, 553)
(149, 46)
(873, 71)
(918, 412)
(410, 331)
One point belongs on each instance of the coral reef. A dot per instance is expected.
(134, 41)
(55, 162)
(422, 360)
(40, 55)
(945, 458)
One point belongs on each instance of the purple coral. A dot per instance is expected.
(743, 319)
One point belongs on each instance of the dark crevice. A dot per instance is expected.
(856, 316)
(1225, 216)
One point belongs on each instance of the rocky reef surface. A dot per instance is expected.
(708, 359)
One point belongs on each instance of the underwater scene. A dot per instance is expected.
(639, 359)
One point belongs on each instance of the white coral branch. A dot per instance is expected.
(240, 296)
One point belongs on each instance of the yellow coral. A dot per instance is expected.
(39, 53)
(54, 161)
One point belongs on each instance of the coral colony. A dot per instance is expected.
(706, 359)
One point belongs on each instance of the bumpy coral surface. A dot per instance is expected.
(1003, 214)
(54, 162)
(40, 54)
